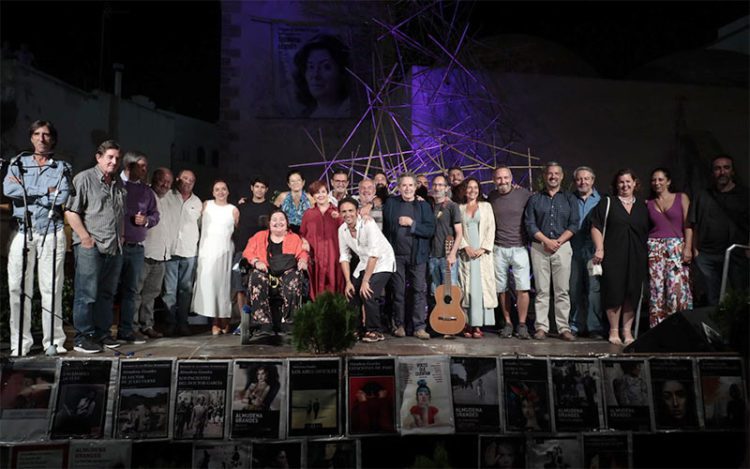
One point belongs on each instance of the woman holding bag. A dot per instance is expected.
(669, 249)
(622, 253)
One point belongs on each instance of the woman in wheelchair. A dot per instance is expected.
(278, 262)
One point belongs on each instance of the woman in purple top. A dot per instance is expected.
(669, 249)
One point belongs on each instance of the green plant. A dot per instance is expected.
(326, 325)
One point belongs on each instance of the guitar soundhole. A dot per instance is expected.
(447, 299)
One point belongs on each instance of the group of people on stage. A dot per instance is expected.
(162, 240)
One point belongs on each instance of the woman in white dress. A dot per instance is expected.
(212, 296)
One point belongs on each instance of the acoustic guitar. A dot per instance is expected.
(448, 317)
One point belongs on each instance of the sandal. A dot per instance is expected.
(467, 334)
(628, 341)
(372, 336)
(615, 339)
(477, 334)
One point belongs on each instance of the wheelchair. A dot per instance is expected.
(280, 322)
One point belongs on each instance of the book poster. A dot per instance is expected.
(576, 396)
(723, 391)
(161, 454)
(143, 406)
(39, 456)
(426, 397)
(82, 398)
(626, 394)
(606, 450)
(201, 397)
(334, 454)
(286, 454)
(371, 396)
(476, 405)
(673, 386)
(258, 392)
(221, 455)
(506, 452)
(25, 399)
(99, 454)
(526, 395)
(313, 397)
(555, 452)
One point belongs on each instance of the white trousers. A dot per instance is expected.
(42, 254)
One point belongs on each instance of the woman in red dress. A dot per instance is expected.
(320, 227)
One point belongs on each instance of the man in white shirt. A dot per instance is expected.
(376, 264)
(157, 251)
(179, 274)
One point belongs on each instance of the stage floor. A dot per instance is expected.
(204, 345)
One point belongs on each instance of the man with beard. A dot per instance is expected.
(508, 202)
(719, 216)
(551, 220)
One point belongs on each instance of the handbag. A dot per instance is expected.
(596, 270)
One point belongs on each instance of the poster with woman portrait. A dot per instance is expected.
(673, 386)
(144, 399)
(526, 400)
(200, 403)
(607, 450)
(83, 400)
(281, 454)
(504, 452)
(426, 398)
(311, 74)
(333, 454)
(371, 396)
(576, 396)
(476, 405)
(25, 398)
(627, 394)
(314, 397)
(258, 392)
(723, 393)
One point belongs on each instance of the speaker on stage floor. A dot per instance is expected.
(683, 332)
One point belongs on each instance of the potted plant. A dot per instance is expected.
(326, 325)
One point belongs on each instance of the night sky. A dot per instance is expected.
(171, 50)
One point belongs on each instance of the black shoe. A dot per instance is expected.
(596, 336)
(134, 337)
(170, 331)
(109, 342)
(86, 345)
(183, 330)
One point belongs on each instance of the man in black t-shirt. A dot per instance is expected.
(254, 214)
(719, 217)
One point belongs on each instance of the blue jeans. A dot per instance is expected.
(132, 269)
(179, 275)
(585, 300)
(711, 267)
(437, 267)
(96, 280)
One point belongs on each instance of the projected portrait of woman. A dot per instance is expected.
(321, 79)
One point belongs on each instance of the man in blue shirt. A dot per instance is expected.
(585, 302)
(46, 186)
(40, 183)
(551, 218)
